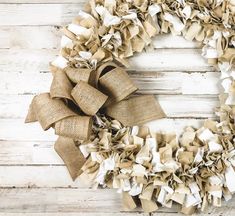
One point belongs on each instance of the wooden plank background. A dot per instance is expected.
(33, 179)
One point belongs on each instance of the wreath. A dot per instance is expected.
(103, 139)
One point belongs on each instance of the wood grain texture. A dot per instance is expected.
(173, 70)
(148, 82)
(179, 106)
(16, 130)
(59, 200)
(170, 60)
(33, 60)
(38, 14)
(36, 176)
(28, 153)
(30, 37)
(72, 200)
(80, 214)
(48, 37)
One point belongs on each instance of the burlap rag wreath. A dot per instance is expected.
(99, 121)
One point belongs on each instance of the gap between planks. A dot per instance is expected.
(90, 213)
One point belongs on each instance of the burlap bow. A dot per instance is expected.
(77, 94)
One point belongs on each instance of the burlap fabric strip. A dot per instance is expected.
(74, 99)
(93, 106)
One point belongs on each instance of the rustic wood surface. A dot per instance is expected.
(33, 179)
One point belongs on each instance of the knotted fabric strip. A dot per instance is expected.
(77, 94)
(47, 110)
(71, 155)
(142, 109)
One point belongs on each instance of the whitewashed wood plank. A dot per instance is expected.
(30, 37)
(176, 82)
(25, 83)
(185, 106)
(80, 201)
(48, 37)
(175, 125)
(38, 14)
(198, 106)
(26, 60)
(162, 59)
(31, 60)
(67, 213)
(29, 202)
(16, 130)
(61, 201)
(39, 177)
(28, 153)
(40, 1)
(147, 82)
(36, 176)
(42, 152)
